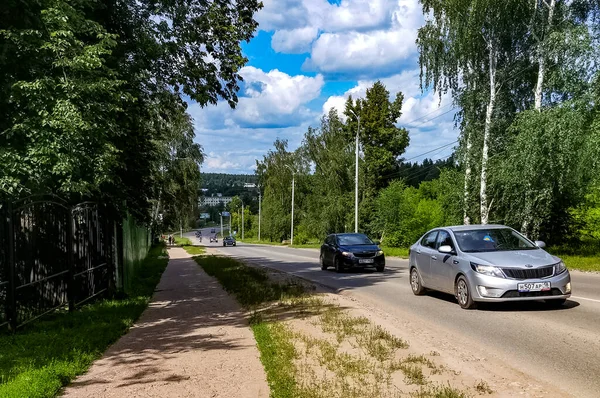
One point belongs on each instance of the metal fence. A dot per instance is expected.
(53, 255)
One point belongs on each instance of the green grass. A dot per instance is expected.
(182, 241)
(41, 358)
(395, 251)
(194, 250)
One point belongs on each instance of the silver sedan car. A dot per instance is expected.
(494, 263)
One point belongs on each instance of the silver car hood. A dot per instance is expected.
(514, 258)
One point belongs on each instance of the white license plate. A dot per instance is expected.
(533, 286)
(366, 261)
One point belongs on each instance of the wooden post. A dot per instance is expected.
(11, 307)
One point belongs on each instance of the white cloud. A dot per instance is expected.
(269, 98)
(294, 41)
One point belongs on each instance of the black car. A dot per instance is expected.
(229, 241)
(344, 251)
(212, 231)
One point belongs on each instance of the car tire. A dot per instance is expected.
(380, 268)
(556, 303)
(223, 244)
(415, 282)
(338, 266)
(323, 265)
(463, 294)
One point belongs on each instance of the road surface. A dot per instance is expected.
(558, 346)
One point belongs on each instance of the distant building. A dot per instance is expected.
(204, 215)
(215, 200)
(249, 185)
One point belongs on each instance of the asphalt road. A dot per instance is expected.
(558, 346)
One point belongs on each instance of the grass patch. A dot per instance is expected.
(46, 355)
(439, 392)
(182, 241)
(395, 251)
(194, 250)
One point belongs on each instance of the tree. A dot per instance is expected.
(330, 196)
(467, 40)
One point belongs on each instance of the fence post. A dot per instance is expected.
(11, 307)
(71, 261)
(120, 257)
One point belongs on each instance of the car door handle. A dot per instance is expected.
(418, 251)
(434, 257)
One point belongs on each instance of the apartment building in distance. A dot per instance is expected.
(215, 200)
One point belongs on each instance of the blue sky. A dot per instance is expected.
(307, 57)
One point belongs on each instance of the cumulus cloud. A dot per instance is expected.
(367, 37)
(294, 41)
(269, 98)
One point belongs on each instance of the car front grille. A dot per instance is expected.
(533, 273)
(364, 254)
(515, 293)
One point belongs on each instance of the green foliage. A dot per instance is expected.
(93, 97)
(46, 355)
(586, 216)
(404, 213)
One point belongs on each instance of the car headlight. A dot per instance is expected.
(559, 268)
(379, 253)
(347, 254)
(488, 270)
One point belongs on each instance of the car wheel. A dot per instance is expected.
(322, 260)
(380, 268)
(463, 294)
(338, 265)
(223, 244)
(415, 282)
(556, 303)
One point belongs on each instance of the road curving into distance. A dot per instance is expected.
(558, 346)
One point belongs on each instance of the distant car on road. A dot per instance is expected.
(343, 251)
(229, 241)
(478, 263)
(212, 231)
(214, 239)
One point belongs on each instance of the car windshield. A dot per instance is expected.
(354, 239)
(491, 240)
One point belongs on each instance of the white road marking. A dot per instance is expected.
(585, 298)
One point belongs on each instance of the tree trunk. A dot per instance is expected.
(466, 219)
(487, 131)
(542, 62)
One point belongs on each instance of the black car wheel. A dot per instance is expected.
(415, 283)
(338, 265)
(322, 260)
(463, 294)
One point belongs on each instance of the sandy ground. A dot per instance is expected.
(192, 341)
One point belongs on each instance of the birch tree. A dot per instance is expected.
(463, 39)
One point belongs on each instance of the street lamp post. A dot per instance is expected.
(242, 220)
(259, 199)
(356, 177)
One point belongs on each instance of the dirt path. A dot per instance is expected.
(192, 341)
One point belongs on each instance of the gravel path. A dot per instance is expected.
(192, 341)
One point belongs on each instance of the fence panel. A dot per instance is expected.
(51, 256)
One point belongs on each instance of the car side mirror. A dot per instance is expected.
(447, 249)
(540, 244)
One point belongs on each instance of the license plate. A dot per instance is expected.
(533, 286)
(366, 261)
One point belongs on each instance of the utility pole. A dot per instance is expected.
(356, 176)
(242, 220)
(222, 236)
(292, 232)
(259, 198)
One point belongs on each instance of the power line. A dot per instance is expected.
(433, 150)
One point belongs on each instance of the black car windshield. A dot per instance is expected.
(491, 240)
(354, 239)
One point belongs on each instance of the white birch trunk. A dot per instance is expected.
(466, 219)
(486, 133)
(542, 62)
